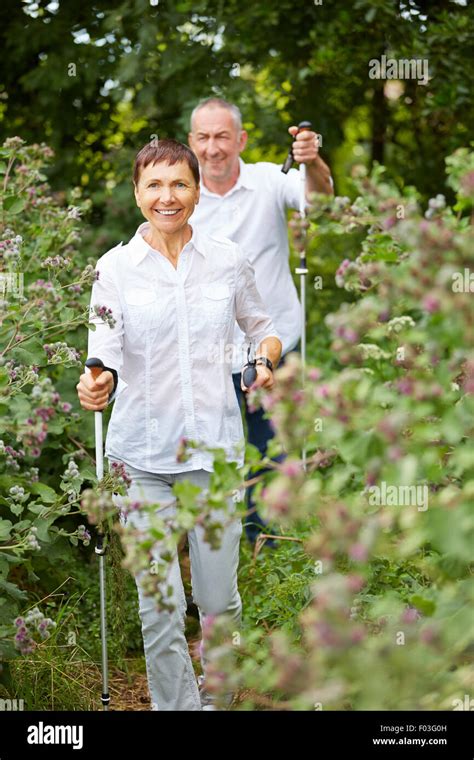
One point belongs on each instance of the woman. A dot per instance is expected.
(175, 294)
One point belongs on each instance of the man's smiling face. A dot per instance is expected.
(166, 195)
(217, 142)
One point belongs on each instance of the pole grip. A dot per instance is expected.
(96, 367)
(249, 375)
(289, 159)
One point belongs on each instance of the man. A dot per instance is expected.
(247, 203)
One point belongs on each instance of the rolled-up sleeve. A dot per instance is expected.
(106, 342)
(251, 313)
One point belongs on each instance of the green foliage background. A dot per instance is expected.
(96, 82)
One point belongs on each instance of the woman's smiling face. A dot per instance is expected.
(166, 195)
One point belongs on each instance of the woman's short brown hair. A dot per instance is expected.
(168, 151)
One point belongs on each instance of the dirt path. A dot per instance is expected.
(131, 692)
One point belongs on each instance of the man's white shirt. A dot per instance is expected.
(253, 214)
(168, 346)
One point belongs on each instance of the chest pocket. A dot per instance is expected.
(216, 299)
(145, 309)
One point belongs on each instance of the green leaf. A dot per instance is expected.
(16, 508)
(48, 494)
(30, 352)
(273, 579)
(187, 493)
(6, 482)
(12, 590)
(43, 526)
(4, 566)
(426, 606)
(5, 529)
(22, 525)
(354, 448)
(7, 652)
(370, 15)
(14, 204)
(252, 454)
(185, 519)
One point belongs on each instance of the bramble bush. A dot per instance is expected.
(44, 444)
(390, 470)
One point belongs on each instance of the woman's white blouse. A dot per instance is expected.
(172, 348)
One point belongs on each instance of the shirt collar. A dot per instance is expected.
(139, 248)
(243, 180)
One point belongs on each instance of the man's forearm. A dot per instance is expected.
(270, 348)
(318, 176)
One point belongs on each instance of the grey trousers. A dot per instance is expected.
(171, 680)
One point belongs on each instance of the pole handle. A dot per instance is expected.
(101, 546)
(96, 367)
(249, 375)
(249, 372)
(289, 160)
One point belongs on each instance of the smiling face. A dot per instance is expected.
(217, 143)
(166, 195)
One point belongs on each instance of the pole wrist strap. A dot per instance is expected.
(265, 361)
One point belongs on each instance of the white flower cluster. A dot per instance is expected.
(56, 261)
(341, 201)
(21, 374)
(10, 244)
(72, 469)
(61, 353)
(434, 205)
(43, 392)
(84, 535)
(32, 539)
(74, 212)
(359, 207)
(71, 473)
(35, 617)
(89, 275)
(32, 474)
(44, 384)
(372, 351)
(17, 493)
(11, 455)
(398, 324)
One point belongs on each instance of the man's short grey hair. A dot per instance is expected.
(219, 103)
